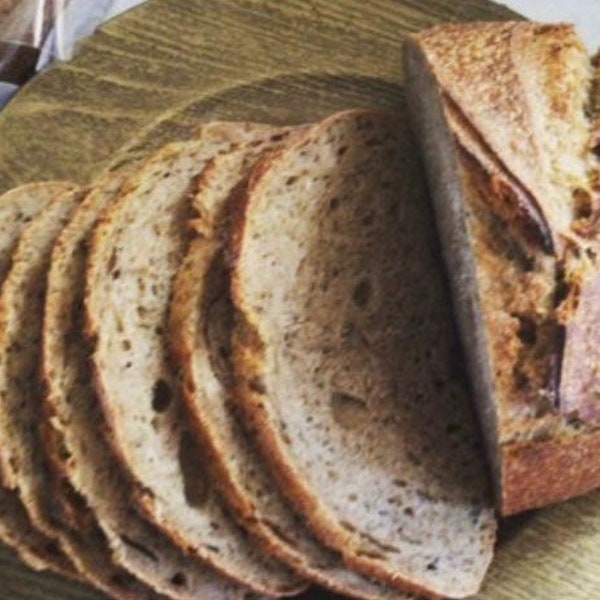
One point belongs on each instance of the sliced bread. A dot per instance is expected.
(200, 328)
(345, 357)
(502, 111)
(21, 309)
(135, 251)
(17, 208)
(88, 474)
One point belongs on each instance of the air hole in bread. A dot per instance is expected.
(195, 480)
(179, 579)
(291, 180)
(333, 204)
(527, 331)
(583, 204)
(348, 411)
(162, 394)
(432, 566)
(362, 293)
(119, 325)
(116, 274)
(126, 345)
(112, 261)
(521, 379)
(562, 289)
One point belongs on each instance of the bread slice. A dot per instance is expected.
(88, 474)
(25, 468)
(21, 306)
(135, 251)
(17, 208)
(200, 329)
(500, 109)
(346, 362)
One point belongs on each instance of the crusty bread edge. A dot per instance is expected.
(535, 474)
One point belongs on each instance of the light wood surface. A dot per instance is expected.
(153, 73)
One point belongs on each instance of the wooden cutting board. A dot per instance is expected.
(151, 74)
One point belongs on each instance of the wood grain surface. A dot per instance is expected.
(153, 73)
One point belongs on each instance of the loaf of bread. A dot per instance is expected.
(251, 376)
(503, 112)
(344, 357)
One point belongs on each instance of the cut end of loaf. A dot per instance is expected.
(523, 94)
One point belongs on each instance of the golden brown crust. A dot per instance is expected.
(538, 473)
(509, 81)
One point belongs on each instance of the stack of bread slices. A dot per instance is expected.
(230, 370)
